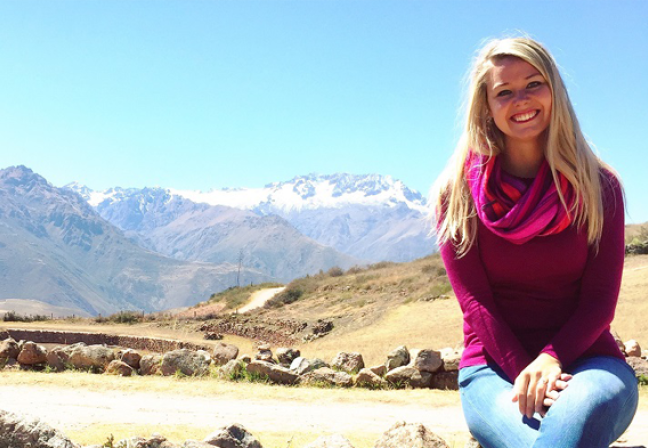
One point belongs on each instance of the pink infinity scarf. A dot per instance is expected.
(513, 209)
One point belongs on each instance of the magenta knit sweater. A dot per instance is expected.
(552, 294)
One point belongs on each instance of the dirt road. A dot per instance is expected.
(259, 298)
(76, 408)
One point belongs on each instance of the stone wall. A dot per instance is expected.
(67, 338)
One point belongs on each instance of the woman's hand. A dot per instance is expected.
(552, 395)
(534, 382)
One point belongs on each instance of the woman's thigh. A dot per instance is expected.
(492, 417)
(595, 409)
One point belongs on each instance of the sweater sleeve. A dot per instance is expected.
(600, 283)
(472, 288)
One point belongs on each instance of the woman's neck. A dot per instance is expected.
(522, 159)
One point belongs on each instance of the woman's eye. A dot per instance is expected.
(503, 93)
(533, 84)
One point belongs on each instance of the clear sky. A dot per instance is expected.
(211, 94)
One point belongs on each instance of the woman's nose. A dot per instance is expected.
(521, 95)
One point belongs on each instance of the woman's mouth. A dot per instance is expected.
(527, 116)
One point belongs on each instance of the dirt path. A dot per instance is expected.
(259, 298)
(75, 409)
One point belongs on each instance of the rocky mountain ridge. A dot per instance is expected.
(370, 217)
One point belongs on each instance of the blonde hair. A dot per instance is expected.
(566, 149)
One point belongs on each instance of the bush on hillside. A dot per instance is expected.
(335, 271)
(12, 316)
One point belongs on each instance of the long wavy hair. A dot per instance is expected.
(566, 149)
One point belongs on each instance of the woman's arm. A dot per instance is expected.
(600, 283)
(472, 288)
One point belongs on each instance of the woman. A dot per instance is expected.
(531, 231)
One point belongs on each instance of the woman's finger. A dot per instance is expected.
(541, 388)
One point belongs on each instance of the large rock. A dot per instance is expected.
(151, 365)
(445, 380)
(231, 370)
(427, 361)
(120, 368)
(155, 441)
(302, 366)
(327, 377)
(380, 370)
(632, 348)
(350, 362)
(275, 373)
(286, 356)
(9, 349)
(639, 365)
(367, 378)
(32, 354)
(409, 377)
(89, 357)
(232, 436)
(410, 435)
(398, 357)
(224, 353)
(334, 441)
(18, 431)
(451, 359)
(264, 354)
(132, 358)
(187, 362)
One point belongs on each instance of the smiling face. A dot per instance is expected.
(519, 101)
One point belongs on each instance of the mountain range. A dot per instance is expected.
(152, 249)
(370, 218)
(56, 249)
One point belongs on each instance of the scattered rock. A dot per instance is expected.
(224, 353)
(150, 365)
(264, 354)
(120, 368)
(58, 359)
(247, 359)
(398, 357)
(32, 354)
(274, 372)
(302, 366)
(17, 431)
(132, 358)
(327, 376)
(618, 340)
(367, 378)
(410, 435)
(632, 348)
(322, 327)
(9, 349)
(231, 370)
(350, 362)
(639, 365)
(212, 336)
(186, 362)
(287, 355)
(446, 380)
(472, 443)
(408, 376)
(380, 370)
(427, 361)
(334, 441)
(233, 436)
(196, 444)
(89, 357)
(451, 359)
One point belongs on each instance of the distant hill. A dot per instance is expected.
(56, 249)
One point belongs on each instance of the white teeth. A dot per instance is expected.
(524, 117)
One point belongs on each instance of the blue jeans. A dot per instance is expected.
(593, 411)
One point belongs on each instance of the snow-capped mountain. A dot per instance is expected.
(175, 226)
(370, 217)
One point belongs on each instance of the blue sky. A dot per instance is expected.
(212, 94)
